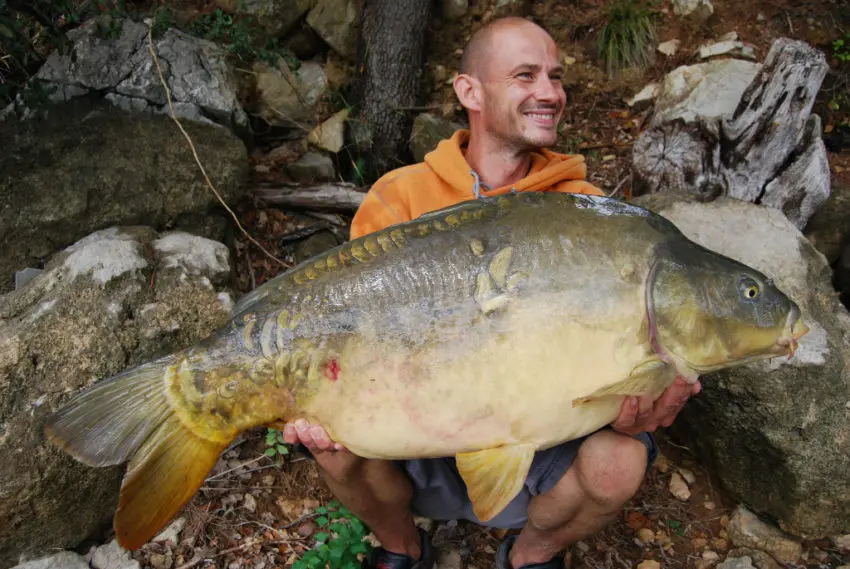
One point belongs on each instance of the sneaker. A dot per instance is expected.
(380, 558)
(560, 561)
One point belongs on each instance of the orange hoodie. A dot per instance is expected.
(445, 178)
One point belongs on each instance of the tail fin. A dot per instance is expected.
(128, 417)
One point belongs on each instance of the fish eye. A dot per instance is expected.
(749, 288)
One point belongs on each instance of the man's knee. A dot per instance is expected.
(611, 467)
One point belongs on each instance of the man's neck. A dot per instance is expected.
(495, 164)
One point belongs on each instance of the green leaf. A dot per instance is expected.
(337, 527)
(321, 510)
(321, 536)
(282, 449)
(270, 452)
(321, 521)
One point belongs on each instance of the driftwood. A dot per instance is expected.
(767, 149)
(340, 197)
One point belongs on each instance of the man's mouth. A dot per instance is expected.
(545, 117)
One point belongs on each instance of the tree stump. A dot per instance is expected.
(768, 150)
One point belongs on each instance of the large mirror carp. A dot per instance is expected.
(485, 331)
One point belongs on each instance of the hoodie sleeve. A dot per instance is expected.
(384, 205)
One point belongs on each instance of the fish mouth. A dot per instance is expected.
(795, 329)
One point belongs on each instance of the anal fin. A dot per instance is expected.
(649, 376)
(494, 476)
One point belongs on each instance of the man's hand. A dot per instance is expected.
(640, 414)
(314, 437)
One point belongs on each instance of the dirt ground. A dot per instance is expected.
(270, 530)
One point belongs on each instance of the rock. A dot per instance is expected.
(449, 559)
(829, 228)
(728, 128)
(696, 9)
(710, 558)
(504, 8)
(172, 532)
(646, 535)
(644, 98)
(428, 131)
(649, 564)
(794, 465)
(737, 563)
(454, 9)
(842, 276)
(337, 22)
(249, 503)
(728, 47)
(88, 166)
(704, 91)
(289, 98)
(117, 298)
(670, 47)
(330, 135)
(687, 475)
(317, 243)
(113, 556)
(842, 542)
(203, 87)
(747, 530)
(275, 17)
(61, 560)
(679, 488)
(312, 167)
(760, 559)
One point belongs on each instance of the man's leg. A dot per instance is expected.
(376, 491)
(606, 473)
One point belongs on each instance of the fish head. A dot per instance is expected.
(708, 312)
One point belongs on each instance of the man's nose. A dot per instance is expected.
(548, 90)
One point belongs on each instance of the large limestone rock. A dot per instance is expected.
(116, 298)
(286, 97)
(122, 70)
(776, 433)
(87, 167)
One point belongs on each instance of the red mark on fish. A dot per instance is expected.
(332, 369)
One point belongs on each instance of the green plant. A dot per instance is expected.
(841, 48)
(342, 537)
(628, 37)
(275, 445)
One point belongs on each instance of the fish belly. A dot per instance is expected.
(480, 387)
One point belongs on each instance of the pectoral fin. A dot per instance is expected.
(649, 376)
(494, 476)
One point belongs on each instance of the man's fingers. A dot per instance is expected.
(645, 405)
(321, 438)
(289, 434)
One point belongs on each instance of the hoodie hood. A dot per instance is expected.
(547, 169)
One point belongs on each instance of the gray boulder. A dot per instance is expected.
(275, 17)
(122, 70)
(775, 433)
(337, 22)
(85, 167)
(116, 298)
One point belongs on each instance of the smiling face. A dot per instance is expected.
(512, 85)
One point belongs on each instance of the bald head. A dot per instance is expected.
(483, 43)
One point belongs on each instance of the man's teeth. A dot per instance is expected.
(546, 116)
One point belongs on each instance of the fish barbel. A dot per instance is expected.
(484, 331)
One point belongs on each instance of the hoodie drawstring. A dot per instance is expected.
(476, 187)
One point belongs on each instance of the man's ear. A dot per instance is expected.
(468, 91)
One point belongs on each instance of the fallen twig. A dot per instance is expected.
(194, 150)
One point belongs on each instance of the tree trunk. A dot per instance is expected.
(390, 54)
(763, 147)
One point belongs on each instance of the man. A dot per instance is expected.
(510, 84)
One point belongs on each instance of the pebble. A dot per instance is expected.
(250, 503)
(747, 530)
(172, 532)
(737, 563)
(62, 560)
(646, 535)
(113, 556)
(679, 488)
(649, 564)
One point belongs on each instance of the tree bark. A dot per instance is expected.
(320, 197)
(768, 150)
(390, 55)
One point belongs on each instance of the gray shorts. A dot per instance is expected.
(440, 493)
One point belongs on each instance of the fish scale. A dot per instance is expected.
(485, 331)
